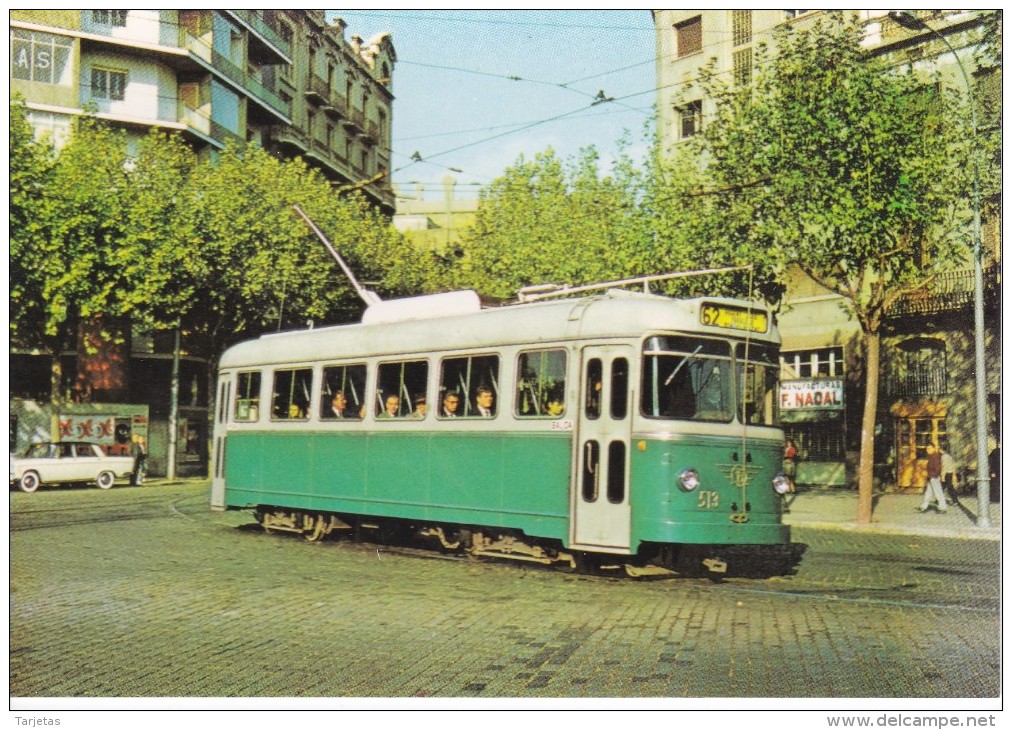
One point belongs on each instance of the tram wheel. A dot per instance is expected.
(318, 531)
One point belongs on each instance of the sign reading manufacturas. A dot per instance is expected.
(811, 395)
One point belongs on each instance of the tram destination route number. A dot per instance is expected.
(719, 315)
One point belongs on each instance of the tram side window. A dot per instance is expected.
(687, 378)
(400, 389)
(619, 388)
(475, 380)
(757, 368)
(541, 384)
(247, 397)
(290, 400)
(592, 396)
(343, 392)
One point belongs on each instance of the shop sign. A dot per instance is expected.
(811, 395)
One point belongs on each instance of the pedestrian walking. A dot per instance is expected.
(933, 489)
(949, 476)
(139, 452)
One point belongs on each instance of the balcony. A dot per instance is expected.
(265, 34)
(949, 291)
(918, 382)
(288, 136)
(251, 86)
(355, 120)
(317, 92)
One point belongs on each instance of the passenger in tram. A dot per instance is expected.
(484, 400)
(420, 407)
(338, 406)
(556, 403)
(392, 407)
(450, 403)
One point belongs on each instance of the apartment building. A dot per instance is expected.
(288, 80)
(927, 367)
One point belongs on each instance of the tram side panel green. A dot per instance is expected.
(664, 513)
(518, 481)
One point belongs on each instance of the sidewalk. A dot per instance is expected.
(836, 509)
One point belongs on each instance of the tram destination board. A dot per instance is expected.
(738, 318)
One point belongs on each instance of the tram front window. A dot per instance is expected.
(687, 378)
(758, 383)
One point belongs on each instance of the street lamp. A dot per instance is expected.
(912, 22)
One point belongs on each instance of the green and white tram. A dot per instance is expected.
(623, 426)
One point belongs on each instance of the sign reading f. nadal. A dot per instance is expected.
(811, 395)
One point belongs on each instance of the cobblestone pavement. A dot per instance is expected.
(143, 592)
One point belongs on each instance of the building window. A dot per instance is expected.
(689, 37)
(54, 127)
(40, 57)
(818, 441)
(106, 84)
(919, 368)
(741, 27)
(689, 119)
(826, 362)
(110, 17)
(792, 14)
(743, 67)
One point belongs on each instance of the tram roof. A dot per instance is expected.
(613, 314)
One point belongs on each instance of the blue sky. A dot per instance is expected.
(457, 107)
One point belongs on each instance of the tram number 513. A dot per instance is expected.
(708, 500)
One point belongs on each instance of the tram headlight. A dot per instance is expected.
(782, 484)
(688, 479)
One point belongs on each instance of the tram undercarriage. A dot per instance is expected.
(489, 542)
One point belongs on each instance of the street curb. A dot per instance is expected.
(993, 534)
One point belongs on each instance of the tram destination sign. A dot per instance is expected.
(737, 318)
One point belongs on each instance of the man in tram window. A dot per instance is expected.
(421, 406)
(338, 406)
(392, 406)
(484, 401)
(450, 403)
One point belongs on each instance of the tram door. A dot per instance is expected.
(222, 407)
(600, 502)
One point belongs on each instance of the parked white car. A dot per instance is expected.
(68, 462)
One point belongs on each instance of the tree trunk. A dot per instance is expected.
(866, 462)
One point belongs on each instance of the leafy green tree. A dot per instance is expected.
(260, 268)
(554, 221)
(31, 164)
(838, 164)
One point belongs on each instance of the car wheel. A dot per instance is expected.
(29, 482)
(105, 480)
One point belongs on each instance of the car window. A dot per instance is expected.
(66, 451)
(84, 450)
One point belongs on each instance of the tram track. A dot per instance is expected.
(833, 580)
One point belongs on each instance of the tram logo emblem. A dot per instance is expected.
(739, 475)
